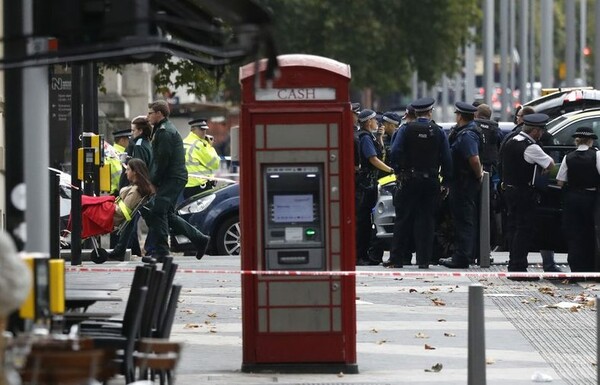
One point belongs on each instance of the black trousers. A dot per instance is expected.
(520, 204)
(415, 202)
(578, 225)
(366, 198)
(464, 198)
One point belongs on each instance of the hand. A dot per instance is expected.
(445, 191)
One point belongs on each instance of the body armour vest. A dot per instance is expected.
(365, 165)
(462, 168)
(516, 171)
(489, 149)
(421, 147)
(581, 169)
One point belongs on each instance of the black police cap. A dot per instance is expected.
(464, 108)
(366, 114)
(122, 133)
(585, 132)
(200, 123)
(536, 120)
(355, 107)
(423, 104)
(392, 117)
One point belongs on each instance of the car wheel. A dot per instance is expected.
(228, 237)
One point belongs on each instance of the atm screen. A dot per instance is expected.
(293, 208)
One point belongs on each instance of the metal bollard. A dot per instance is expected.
(476, 343)
(484, 222)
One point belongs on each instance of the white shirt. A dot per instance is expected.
(562, 171)
(534, 153)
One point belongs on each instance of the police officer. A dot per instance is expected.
(169, 176)
(390, 121)
(355, 111)
(465, 144)
(121, 141)
(522, 158)
(366, 183)
(580, 173)
(419, 150)
(201, 158)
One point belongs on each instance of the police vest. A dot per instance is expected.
(421, 152)
(201, 158)
(581, 169)
(516, 171)
(367, 170)
(462, 167)
(489, 149)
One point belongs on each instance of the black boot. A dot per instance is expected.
(548, 262)
(201, 244)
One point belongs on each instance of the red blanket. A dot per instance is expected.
(97, 214)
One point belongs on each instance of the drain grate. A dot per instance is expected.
(565, 339)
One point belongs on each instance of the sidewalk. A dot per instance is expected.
(396, 318)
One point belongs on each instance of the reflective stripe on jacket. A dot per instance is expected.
(201, 158)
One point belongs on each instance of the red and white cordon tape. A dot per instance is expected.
(360, 273)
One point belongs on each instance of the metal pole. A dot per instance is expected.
(484, 222)
(444, 98)
(512, 53)
(76, 130)
(488, 50)
(582, 40)
(54, 215)
(476, 344)
(470, 68)
(524, 53)
(532, 47)
(415, 85)
(504, 59)
(37, 160)
(570, 43)
(547, 38)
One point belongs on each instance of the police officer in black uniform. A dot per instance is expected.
(465, 144)
(522, 158)
(419, 150)
(580, 173)
(366, 183)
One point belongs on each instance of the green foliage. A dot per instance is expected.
(183, 73)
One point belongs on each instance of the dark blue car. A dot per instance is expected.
(216, 213)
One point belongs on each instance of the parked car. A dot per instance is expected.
(216, 213)
(566, 100)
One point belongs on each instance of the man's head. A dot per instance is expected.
(158, 111)
(535, 124)
(423, 107)
(355, 111)
(527, 110)
(367, 120)
(199, 126)
(464, 113)
(410, 114)
(483, 112)
(391, 121)
(122, 137)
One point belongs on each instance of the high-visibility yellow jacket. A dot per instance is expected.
(201, 158)
(116, 168)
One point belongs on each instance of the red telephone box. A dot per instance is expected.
(297, 214)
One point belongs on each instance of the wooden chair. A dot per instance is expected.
(157, 356)
(47, 367)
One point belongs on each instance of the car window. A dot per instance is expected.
(564, 136)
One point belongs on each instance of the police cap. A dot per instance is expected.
(200, 123)
(585, 132)
(464, 108)
(536, 120)
(365, 115)
(122, 133)
(423, 104)
(355, 108)
(392, 117)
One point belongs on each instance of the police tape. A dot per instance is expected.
(356, 273)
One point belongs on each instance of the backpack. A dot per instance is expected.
(357, 136)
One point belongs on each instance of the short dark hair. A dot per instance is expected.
(160, 106)
(142, 123)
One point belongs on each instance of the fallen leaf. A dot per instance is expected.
(574, 309)
(381, 342)
(441, 320)
(340, 374)
(212, 315)
(421, 335)
(412, 290)
(547, 290)
(449, 335)
(191, 326)
(212, 331)
(434, 289)
(429, 347)
(490, 361)
(435, 368)
(188, 311)
(438, 302)
(374, 330)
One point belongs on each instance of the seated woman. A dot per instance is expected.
(130, 196)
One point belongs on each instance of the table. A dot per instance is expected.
(82, 299)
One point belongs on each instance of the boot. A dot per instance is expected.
(548, 262)
(201, 244)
